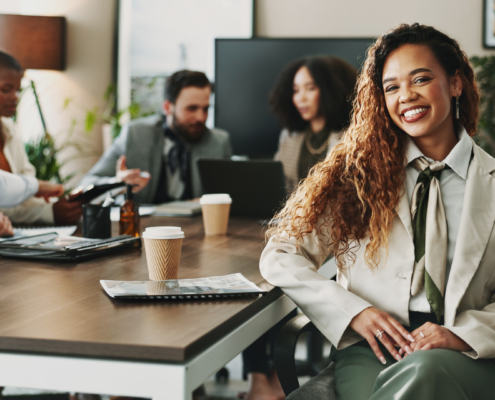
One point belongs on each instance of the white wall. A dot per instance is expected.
(88, 72)
(90, 39)
(461, 19)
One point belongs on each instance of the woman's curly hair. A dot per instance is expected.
(357, 188)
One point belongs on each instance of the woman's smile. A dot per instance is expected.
(413, 114)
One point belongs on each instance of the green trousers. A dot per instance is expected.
(427, 375)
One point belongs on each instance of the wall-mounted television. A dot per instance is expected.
(245, 71)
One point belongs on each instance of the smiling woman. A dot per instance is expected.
(404, 191)
(419, 99)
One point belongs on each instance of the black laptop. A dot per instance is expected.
(257, 187)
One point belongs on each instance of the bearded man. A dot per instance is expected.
(158, 153)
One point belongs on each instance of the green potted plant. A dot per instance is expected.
(110, 116)
(484, 68)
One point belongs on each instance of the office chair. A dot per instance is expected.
(316, 365)
(287, 366)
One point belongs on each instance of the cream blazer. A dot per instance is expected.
(470, 292)
(33, 210)
(289, 151)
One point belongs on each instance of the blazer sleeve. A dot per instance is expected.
(284, 134)
(105, 169)
(293, 267)
(477, 328)
(16, 188)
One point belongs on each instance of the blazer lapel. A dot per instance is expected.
(404, 213)
(478, 215)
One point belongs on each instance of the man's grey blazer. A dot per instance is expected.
(142, 142)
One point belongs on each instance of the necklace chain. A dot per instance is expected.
(311, 149)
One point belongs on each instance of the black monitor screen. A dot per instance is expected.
(246, 70)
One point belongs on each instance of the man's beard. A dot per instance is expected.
(185, 132)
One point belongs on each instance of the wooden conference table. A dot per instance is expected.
(60, 331)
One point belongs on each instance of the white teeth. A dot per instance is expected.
(410, 113)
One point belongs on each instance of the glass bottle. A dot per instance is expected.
(129, 215)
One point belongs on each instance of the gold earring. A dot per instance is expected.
(457, 107)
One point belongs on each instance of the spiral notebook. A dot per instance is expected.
(215, 287)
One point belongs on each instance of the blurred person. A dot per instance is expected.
(311, 99)
(158, 153)
(13, 156)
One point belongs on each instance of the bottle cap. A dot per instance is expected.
(163, 232)
(129, 194)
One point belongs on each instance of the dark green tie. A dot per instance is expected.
(430, 234)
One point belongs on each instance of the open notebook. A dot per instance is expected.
(35, 230)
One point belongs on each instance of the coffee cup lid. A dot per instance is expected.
(218, 198)
(163, 232)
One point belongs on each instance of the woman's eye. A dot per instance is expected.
(391, 88)
(422, 79)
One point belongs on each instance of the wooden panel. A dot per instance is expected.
(36, 42)
(62, 309)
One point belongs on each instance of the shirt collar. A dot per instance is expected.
(458, 159)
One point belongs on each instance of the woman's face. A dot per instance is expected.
(10, 84)
(306, 95)
(418, 92)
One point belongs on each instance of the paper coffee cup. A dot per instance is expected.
(163, 245)
(216, 210)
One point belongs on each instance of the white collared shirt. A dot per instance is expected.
(452, 186)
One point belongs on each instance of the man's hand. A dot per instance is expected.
(369, 322)
(432, 336)
(132, 176)
(5, 226)
(47, 190)
(67, 213)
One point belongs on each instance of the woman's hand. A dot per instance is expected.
(47, 190)
(432, 336)
(67, 213)
(369, 322)
(5, 226)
